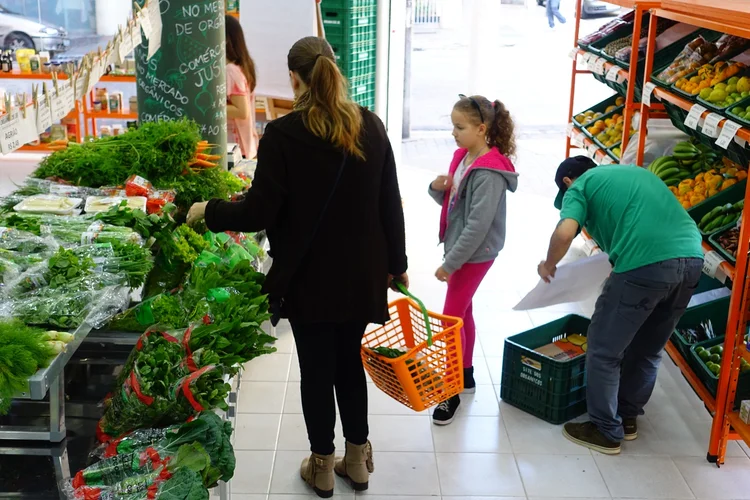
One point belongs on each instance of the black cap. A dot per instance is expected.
(572, 168)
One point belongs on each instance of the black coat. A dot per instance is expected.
(360, 240)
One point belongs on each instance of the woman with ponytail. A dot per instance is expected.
(326, 192)
(472, 223)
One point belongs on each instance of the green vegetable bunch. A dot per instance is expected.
(23, 351)
(184, 246)
(157, 226)
(65, 267)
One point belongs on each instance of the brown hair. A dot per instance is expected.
(500, 126)
(237, 52)
(325, 106)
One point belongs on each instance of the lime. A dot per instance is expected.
(699, 349)
(717, 349)
(704, 355)
(715, 369)
(715, 358)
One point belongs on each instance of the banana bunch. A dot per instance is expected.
(721, 216)
(687, 161)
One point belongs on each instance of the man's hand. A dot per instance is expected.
(545, 273)
(442, 183)
(442, 275)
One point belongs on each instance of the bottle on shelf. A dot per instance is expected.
(5, 61)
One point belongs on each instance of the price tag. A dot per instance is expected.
(607, 160)
(126, 46)
(137, 37)
(569, 130)
(589, 246)
(728, 131)
(145, 21)
(613, 74)
(648, 90)
(712, 263)
(81, 85)
(591, 63)
(153, 12)
(694, 116)
(43, 116)
(575, 140)
(711, 125)
(599, 66)
(573, 54)
(592, 149)
(17, 131)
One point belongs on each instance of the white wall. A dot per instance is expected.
(110, 14)
(271, 28)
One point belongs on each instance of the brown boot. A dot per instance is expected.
(317, 471)
(357, 465)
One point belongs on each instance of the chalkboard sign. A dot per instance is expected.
(186, 77)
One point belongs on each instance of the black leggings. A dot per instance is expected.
(329, 356)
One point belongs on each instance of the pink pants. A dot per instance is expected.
(462, 286)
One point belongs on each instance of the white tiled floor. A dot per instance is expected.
(493, 451)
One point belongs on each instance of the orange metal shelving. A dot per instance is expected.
(731, 17)
(90, 114)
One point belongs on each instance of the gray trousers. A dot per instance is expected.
(633, 320)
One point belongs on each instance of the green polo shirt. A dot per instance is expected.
(632, 215)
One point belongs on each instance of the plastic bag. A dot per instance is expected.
(183, 484)
(202, 390)
(25, 243)
(660, 141)
(158, 200)
(144, 395)
(138, 186)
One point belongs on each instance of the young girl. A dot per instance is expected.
(240, 90)
(472, 223)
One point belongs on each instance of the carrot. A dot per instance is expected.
(202, 163)
(207, 157)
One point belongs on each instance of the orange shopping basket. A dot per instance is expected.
(415, 357)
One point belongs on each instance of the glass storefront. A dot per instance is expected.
(78, 17)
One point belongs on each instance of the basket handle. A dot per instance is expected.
(406, 292)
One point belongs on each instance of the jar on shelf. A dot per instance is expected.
(105, 131)
(133, 104)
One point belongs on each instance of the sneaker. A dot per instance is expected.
(446, 411)
(470, 386)
(630, 426)
(586, 434)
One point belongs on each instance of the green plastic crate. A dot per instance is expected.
(716, 310)
(730, 195)
(711, 381)
(354, 25)
(552, 390)
(356, 60)
(362, 89)
(348, 4)
(713, 240)
(600, 108)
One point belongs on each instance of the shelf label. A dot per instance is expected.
(43, 116)
(728, 131)
(569, 130)
(592, 149)
(576, 141)
(711, 125)
(599, 66)
(591, 63)
(589, 246)
(17, 131)
(64, 102)
(694, 116)
(573, 54)
(613, 75)
(712, 265)
(648, 90)
(607, 160)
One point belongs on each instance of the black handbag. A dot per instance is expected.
(276, 304)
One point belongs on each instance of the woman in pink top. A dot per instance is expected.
(240, 90)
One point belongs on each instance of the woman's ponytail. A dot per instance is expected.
(326, 109)
(501, 132)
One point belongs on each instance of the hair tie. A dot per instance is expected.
(494, 104)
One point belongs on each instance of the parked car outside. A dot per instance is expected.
(19, 32)
(593, 7)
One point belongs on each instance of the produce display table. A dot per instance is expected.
(50, 379)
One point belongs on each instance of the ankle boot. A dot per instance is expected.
(317, 471)
(357, 465)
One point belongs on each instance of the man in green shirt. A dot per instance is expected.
(655, 251)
